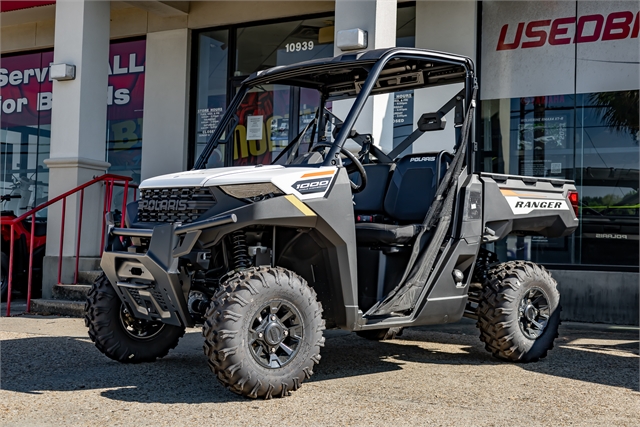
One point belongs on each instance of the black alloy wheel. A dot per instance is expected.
(276, 334)
(519, 311)
(139, 329)
(263, 332)
(534, 313)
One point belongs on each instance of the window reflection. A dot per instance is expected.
(590, 138)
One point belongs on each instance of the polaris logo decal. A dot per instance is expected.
(611, 236)
(422, 159)
(164, 205)
(312, 186)
(521, 206)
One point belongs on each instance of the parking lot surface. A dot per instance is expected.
(52, 375)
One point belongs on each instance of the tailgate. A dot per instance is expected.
(526, 205)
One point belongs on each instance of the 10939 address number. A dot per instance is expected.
(298, 46)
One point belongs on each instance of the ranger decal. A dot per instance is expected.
(521, 206)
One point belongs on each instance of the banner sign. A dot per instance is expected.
(538, 48)
(26, 90)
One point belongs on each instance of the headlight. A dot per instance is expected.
(252, 192)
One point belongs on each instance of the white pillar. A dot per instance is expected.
(378, 19)
(165, 127)
(78, 125)
(447, 26)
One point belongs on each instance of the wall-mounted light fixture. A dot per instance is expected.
(62, 71)
(351, 39)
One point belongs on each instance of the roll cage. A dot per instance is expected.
(359, 75)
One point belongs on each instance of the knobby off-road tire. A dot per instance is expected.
(263, 332)
(515, 293)
(118, 335)
(381, 334)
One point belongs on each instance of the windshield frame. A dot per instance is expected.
(284, 75)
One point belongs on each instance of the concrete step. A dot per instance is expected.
(88, 277)
(57, 307)
(71, 292)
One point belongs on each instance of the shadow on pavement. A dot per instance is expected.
(37, 364)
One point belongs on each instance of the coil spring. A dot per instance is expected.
(239, 249)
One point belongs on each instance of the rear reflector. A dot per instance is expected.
(573, 199)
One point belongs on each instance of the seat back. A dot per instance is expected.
(413, 186)
(371, 199)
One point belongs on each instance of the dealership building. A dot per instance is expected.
(140, 86)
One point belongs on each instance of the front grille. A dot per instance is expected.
(157, 295)
(174, 204)
(135, 295)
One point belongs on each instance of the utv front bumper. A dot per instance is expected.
(150, 278)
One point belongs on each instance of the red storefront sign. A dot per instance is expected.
(26, 92)
(588, 28)
(8, 6)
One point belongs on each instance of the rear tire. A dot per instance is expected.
(380, 334)
(519, 312)
(118, 335)
(263, 332)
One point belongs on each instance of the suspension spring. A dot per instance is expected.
(239, 248)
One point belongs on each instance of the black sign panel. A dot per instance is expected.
(317, 185)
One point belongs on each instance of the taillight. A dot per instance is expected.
(573, 199)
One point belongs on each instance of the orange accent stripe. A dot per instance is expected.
(507, 192)
(323, 173)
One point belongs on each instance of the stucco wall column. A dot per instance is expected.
(447, 26)
(378, 19)
(78, 124)
(165, 127)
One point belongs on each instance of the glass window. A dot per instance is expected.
(211, 95)
(27, 98)
(403, 123)
(584, 128)
(125, 100)
(590, 138)
(26, 95)
(534, 137)
(263, 118)
(607, 177)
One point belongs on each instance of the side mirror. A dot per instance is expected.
(432, 121)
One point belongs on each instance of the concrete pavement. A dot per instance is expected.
(52, 375)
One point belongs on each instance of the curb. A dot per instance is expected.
(57, 307)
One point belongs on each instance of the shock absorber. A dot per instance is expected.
(239, 249)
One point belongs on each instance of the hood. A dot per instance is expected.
(221, 176)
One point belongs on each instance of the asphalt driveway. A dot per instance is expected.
(53, 375)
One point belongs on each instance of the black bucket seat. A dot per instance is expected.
(411, 189)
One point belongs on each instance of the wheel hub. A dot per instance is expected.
(530, 312)
(138, 328)
(275, 334)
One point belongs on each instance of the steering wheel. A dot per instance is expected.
(354, 166)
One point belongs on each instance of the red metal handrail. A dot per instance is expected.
(110, 181)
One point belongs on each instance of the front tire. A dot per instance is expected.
(263, 332)
(119, 335)
(519, 312)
